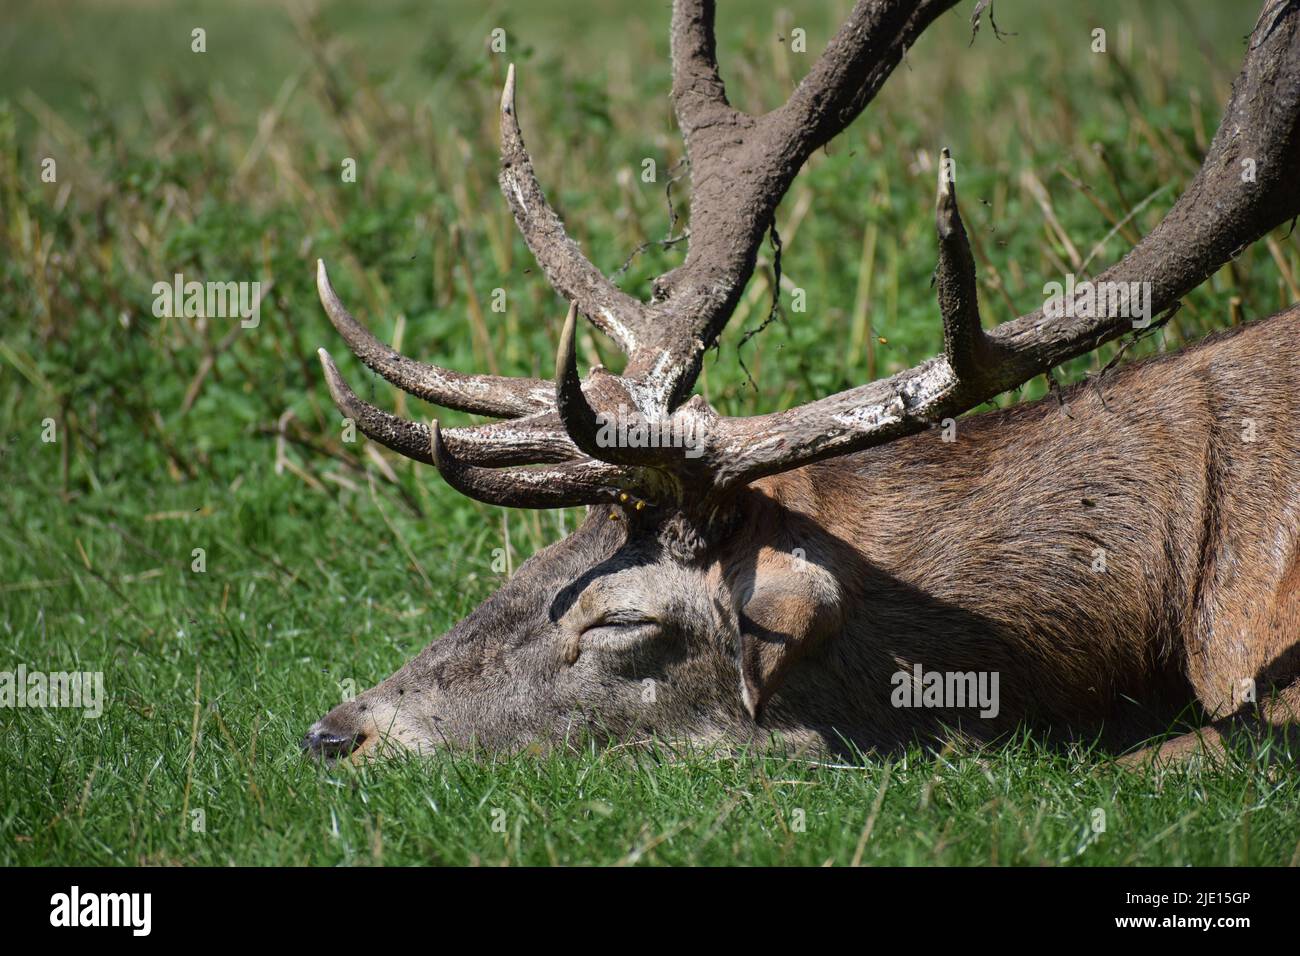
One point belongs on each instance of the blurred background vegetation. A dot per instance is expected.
(328, 560)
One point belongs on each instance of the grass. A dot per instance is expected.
(327, 562)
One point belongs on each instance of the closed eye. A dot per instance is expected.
(620, 619)
(620, 630)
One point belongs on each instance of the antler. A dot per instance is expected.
(537, 434)
(741, 167)
(1220, 213)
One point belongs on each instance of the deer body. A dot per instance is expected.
(1112, 562)
(1116, 564)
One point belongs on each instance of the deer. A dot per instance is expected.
(796, 579)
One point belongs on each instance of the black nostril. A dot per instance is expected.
(323, 743)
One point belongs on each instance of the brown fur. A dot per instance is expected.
(996, 532)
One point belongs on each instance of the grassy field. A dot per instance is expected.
(326, 562)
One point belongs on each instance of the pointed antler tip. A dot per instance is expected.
(339, 391)
(566, 354)
(947, 181)
(946, 193)
(508, 91)
(324, 288)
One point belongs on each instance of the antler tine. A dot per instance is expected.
(964, 342)
(569, 272)
(521, 441)
(581, 421)
(492, 395)
(558, 486)
(1222, 210)
(579, 418)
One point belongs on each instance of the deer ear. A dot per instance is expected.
(788, 610)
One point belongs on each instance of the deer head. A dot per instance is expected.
(705, 596)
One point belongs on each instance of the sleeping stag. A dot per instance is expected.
(867, 570)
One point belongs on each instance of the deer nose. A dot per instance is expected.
(320, 742)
